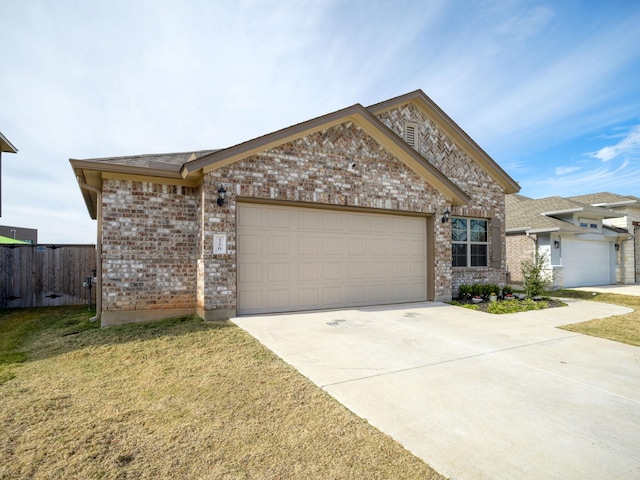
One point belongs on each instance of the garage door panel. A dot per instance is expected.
(250, 245)
(357, 246)
(278, 219)
(332, 296)
(378, 247)
(279, 272)
(378, 270)
(308, 245)
(308, 271)
(309, 220)
(331, 245)
(332, 272)
(311, 259)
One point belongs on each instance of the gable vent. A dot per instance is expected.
(410, 134)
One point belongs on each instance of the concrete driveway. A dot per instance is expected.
(476, 396)
(619, 289)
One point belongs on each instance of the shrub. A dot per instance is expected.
(464, 291)
(534, 277)
(507, 290)
(477, 290)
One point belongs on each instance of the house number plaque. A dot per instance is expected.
(219, 243)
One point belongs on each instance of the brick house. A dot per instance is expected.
(588, 240)
(392, 203)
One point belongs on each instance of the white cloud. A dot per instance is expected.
(566, 170)
(628, 145)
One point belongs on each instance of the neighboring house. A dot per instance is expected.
(348, 209)
(26, 235)
(11, 241)
(5, 146)
(582, 243)
(629, 207)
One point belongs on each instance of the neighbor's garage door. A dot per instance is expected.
(292, 258)
(586, 263)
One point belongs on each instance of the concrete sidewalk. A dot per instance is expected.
(476, 395)
(619, 289)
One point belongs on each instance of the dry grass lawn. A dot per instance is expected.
(174, 399)
(621, 328)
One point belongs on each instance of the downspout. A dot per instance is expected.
(98, 248)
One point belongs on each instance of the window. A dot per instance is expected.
(588, 223)
(469, 242)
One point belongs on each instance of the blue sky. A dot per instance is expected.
(550, 89)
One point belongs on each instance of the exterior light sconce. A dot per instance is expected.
(446, 215)
(556, 243)
(617, 246)
(222, 193)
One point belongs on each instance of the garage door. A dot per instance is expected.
(586, 263)
(292, 258)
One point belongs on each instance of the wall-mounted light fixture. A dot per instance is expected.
(222, 196)
(446, 215)
(617, 246)
(556, 243)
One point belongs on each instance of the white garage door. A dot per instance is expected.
(292, 258)
(586, 263)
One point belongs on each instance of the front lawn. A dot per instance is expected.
(621, 328)
(173, 399)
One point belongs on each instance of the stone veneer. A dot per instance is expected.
(158, 239)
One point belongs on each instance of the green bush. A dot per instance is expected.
(464, 290)
(535, 280)
(477, 289)
(507, 290)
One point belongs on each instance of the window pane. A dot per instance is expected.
(459, 255)
(459, 229)
(478, 230)
(478, 255)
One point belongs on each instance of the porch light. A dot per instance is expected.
(446, 215)
(222, 196)
(617, 246)
(556, 243)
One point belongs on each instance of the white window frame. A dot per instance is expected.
(469, 243)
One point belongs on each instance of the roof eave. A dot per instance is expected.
(356, 114)
(6, 146)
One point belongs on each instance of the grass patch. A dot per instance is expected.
(174, 399)
(621, 328)
(18, 326)
(516, 306)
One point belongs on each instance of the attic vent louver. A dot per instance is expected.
(410, 136)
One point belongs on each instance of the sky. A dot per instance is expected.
(549, 89)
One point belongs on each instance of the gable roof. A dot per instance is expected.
(524, 214)
(607, 199)
(6, 146)
(451, 128)
(187, 168)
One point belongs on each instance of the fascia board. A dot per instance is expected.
(126, 169)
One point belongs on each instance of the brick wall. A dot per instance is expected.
(148, 254)
(487, 196)
(520, 247)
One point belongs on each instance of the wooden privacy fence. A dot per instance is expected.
(46, 275)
